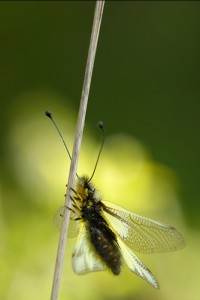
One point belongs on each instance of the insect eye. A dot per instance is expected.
(91, 190)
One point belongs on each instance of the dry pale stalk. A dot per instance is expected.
(77, 143)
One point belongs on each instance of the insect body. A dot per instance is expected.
(96, 231)
(109, 234)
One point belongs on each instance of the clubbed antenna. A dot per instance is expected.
(49, 115)
(101, 126)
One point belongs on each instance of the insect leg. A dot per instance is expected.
(78, 197)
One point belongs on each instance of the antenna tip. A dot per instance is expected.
(101, 125)
(48, 114)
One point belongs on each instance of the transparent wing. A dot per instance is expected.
(84, 259)
(73, 228)
(136, 265)
(139, 233)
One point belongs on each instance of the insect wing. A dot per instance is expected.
(73, 228)
(139, 233)
(84, 259)
(136, 265)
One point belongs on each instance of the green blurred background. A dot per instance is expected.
(146, 89)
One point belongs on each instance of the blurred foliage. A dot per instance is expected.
(146, 89)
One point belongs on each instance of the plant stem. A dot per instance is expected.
(77, 143)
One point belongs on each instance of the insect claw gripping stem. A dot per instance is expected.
(72, 199)
(78, 197)
(74, 204)
(70, 209)
(75, 192)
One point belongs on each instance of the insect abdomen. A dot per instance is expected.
(105, 244)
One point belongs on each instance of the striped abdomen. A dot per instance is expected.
(105, 244)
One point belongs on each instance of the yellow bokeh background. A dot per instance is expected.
(126, 175)
(145, 88)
